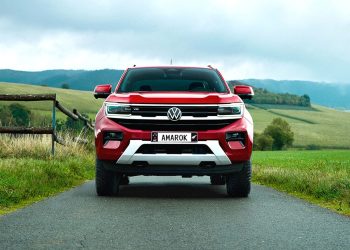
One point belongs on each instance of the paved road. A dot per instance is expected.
(173, 213)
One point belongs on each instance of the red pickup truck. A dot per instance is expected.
(173, 121)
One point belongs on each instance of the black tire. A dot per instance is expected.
(107, 182)
(124, 180)
(238, 184)
(217, 180)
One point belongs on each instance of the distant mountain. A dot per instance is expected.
(327, 94)
(76, 79)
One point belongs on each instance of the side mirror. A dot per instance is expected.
(243, 91)
(102, 91)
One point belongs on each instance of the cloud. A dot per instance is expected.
(245, 39)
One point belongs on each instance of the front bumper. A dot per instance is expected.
(125, 152)
(172, 170)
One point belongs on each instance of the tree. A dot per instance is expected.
(281, 133)
(65, 86)
(306, 101)
(20, 114)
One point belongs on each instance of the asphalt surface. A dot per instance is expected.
(173, 213)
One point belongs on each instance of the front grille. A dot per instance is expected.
(195, 111)
(166, 125)
(174, 149)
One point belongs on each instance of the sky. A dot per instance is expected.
(277, 39)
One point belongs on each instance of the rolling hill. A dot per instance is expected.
(76, 79)
(317, 125)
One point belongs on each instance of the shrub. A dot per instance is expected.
(71, 125)
(5, 116)
(263, 142)
(20, 114)
(281, 133)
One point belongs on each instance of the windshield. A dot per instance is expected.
(172, 79)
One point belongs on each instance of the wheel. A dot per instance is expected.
(238, 184)
(124, 180)
(107, 182)
(217, 180)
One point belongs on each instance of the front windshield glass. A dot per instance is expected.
(172, 79)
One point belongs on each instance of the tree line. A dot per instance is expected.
(263, 96)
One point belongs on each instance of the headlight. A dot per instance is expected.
(235, 109)
(117, 109)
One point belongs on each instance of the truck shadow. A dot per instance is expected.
(172, 190)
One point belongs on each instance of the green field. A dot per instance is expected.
(83, 101)
(319, 125)
(322, 176)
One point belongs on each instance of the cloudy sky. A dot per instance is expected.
(280, 39)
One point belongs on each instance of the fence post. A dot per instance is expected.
(53, 127)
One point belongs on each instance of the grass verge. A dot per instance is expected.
(321, 177)
(28, 173)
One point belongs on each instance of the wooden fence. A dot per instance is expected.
(75, 115)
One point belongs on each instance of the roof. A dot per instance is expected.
(172, 66)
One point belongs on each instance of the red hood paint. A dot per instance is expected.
(174, 98)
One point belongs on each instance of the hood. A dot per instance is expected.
(174, 98)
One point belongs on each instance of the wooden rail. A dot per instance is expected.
(34, 97)
(66, 111)
(75, 115)
(22, 130)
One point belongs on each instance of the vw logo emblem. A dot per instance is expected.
(174, 114)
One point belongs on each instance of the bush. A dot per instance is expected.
(20, 114)
(281, 133)
(40, 120)
(263, 142)
(15, 114)
(5, 116)
(69, 124)
(276, 136)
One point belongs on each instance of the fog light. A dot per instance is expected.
(236, 136)
(112, 136)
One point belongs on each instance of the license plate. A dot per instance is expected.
(174, 137)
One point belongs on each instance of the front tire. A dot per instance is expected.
(239, 184)
(107, 182)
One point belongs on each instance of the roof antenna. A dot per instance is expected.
(209, 66)
(134, 65)
(171, 61)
